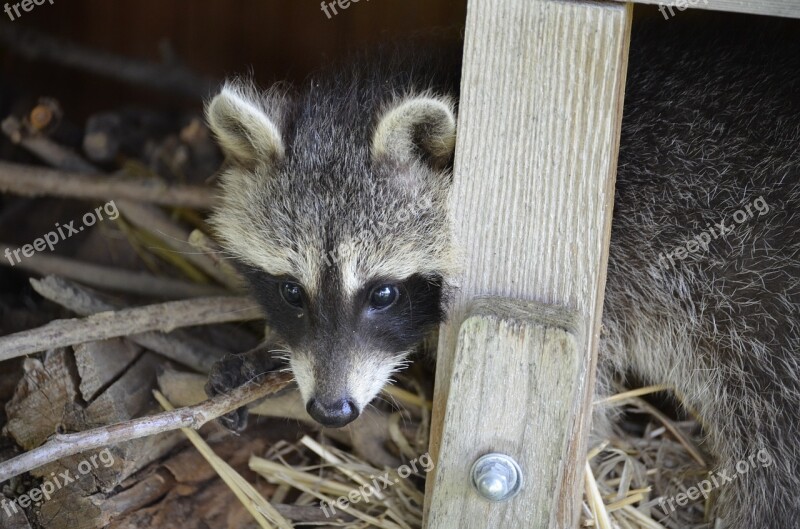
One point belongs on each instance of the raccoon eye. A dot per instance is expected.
(383, 296)
(292, 294)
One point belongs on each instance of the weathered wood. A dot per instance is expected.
(13, 516)
(127, 397)
(106, 277)
(179, 345)
(60, 446)
(161, 317)
(42, 399)
(100, 363)
(516, 367)
(775, 8)
(192, 486)
(540, 112)
(31, 181)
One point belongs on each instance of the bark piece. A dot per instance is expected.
(42, 399)
(99, 363)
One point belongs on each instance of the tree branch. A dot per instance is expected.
(161, 317)
(114, 279)
(31, 181)
(63, 445)
(174, 78)
(178, 345)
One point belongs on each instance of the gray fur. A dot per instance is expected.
(338, 187)
(711, 125)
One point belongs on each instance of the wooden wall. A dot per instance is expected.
(276, 39)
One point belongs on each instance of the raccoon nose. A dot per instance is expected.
(332, 414)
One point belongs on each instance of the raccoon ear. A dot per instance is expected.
(239, 118)
(422, 128)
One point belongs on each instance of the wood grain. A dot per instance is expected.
(540, 112)
(775, 8)
(518, 365)
(163, 317)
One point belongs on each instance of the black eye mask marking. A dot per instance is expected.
(415, 310)
(387, 315)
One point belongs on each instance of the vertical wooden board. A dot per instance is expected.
(539, 118)
(511, 355)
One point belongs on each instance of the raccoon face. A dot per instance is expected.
(340, 225)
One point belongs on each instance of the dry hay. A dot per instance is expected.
(634, 473)
(628, 474)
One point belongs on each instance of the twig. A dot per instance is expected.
(602, 519)
(253, 501)
(177, 345)
(173, 77)
(114, 279)
(64, 445)
(369, 435)
(152, 219)
(673, 429)
(34, 181)
(143, 216)
(162, 317)
(199, 240)
(625, 396)
(43, 147)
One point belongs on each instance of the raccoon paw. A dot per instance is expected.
(235, 370)
(229, 373)
(235, 421)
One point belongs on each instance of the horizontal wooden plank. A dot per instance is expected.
(775, 8)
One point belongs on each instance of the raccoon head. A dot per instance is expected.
(339, 221)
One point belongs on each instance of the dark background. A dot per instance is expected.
(273, 39)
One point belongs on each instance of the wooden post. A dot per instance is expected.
(539, 120)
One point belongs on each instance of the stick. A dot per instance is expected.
(64, 445)
(199, 240)
(114, 279)
(161, 317)
(173, 78)
(46, 149)
(34, 181)
(177, 345)
(145, 216)
(251, 499)
(154, 220)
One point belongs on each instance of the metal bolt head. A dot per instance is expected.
(496, 477)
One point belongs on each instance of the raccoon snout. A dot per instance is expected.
(332, 414)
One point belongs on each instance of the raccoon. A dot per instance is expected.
(311, 213)
(335, 210)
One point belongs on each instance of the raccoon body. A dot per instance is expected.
(336, 209)
(703, 288)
